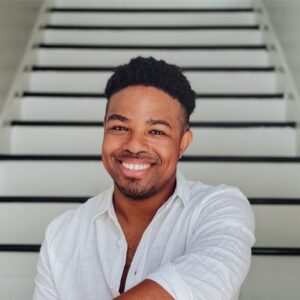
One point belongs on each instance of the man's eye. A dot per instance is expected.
(118, 128)
(157, 132)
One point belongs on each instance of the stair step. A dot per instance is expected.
(256, 251)
(58, 199)
(17, 270)
(149, 10)
(199, 95)
(65, 175)
(269, 232)
(154, 6)
(189, 69)
(148, 18)
(202, 82)
(187, 58)
(270, 277)
(151, 47)
(40, 137)
(148, 27)
(36, 216)
(189, 158)
(150, 37)
(192, 124)
(82, 199)
(74, 109)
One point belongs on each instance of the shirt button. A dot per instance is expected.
(120, 243)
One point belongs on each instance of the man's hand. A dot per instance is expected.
(146, 290)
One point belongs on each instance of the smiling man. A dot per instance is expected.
(154, 234)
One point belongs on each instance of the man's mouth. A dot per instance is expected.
(135, 166)
(134, 169)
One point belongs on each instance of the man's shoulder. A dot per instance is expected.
(203, 190)
(206, 194)
(222, 200)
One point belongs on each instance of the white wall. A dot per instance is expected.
(17, 18)
(285, 18)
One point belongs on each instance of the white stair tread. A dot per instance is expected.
(270, 277)
(175, 18)
(114, 4)
(261, 141)
(18, 226)
(202, 82)
(114, 57)
(81, 178)
(84, 109)
(270, 232)
(30, 221)
(17, 274)
(150, 37)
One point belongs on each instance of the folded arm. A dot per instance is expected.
(217, 258)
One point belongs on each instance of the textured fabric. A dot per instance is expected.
(198, 246)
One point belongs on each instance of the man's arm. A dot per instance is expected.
(146, 290)
(44, 284)
(217, 258)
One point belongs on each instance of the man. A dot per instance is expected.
(154, 234)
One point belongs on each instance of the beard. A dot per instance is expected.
(135, 192)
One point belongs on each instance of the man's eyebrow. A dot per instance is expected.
(159, 122)
(117, 117)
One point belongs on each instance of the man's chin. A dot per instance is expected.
(135, 192)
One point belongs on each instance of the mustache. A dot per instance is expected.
(140, 155)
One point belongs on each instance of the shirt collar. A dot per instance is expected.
(182, 189)
(105, 201)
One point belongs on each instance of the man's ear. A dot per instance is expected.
(185, 141)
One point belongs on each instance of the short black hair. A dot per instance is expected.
(157, 73)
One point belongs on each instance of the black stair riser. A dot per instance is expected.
(76, 199)
(153, 47)
(101, 95)
(139, 28)
(185, 69)
(270, 251)
(190, 158)
(192, 124)
(150, 10)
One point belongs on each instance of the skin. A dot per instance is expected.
(144, 129)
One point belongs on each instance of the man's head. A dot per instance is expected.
(146, 126)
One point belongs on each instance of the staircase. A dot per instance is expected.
(246, 123)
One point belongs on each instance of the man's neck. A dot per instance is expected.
(143, 210)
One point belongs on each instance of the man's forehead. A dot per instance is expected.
(140, 101)
(141, 90)
(149, 121)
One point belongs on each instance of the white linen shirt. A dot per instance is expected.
(197, 246)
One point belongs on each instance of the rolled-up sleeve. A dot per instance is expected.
(218, 251)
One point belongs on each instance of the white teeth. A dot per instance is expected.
(135, 167)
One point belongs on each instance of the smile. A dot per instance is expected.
(135, 167)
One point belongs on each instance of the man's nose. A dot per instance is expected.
(136, 143)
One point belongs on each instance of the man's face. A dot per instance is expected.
(144, 137)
